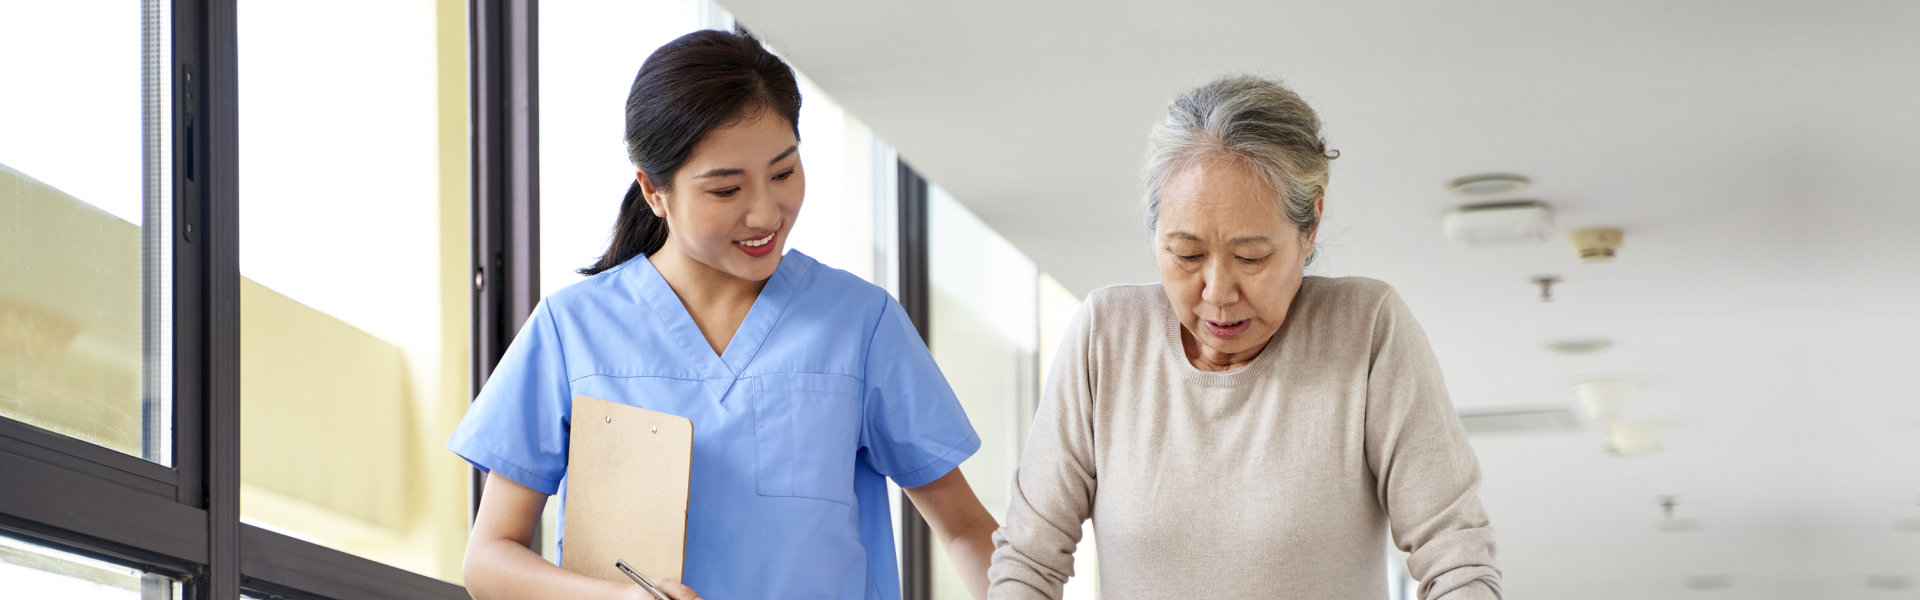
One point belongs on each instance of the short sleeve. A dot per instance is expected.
(914, 429)
(517, 425)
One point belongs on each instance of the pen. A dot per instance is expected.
(637, 578)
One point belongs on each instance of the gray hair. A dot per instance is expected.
(1252, 120)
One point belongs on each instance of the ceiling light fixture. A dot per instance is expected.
(1576, 347)
(1635, 438)
(1888, 582)
(1709, 582)
(1605, 399)
(1495, 223)
(1486, 185)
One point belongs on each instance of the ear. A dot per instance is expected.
(656, 199)
(1319, 218)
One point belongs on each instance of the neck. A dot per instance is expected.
(700, 286)
(1208, 359)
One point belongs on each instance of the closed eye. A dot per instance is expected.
(1189, 258)
(726, 193)
(783, 175)
(1251, 261)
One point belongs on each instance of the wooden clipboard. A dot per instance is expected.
(627, 474)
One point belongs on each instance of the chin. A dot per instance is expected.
(756, 269)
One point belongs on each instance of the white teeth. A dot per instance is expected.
(759, 242)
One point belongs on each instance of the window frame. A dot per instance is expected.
(183, 521)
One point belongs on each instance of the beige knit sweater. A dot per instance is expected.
(1281, 479)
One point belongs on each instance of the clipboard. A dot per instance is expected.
(627, 475)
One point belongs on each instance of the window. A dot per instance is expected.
(985, 338)
(589, 53)
(35, 571)
(85, 187)
(354, 252)
(839, 224)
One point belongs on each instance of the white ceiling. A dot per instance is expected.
(1761, 157)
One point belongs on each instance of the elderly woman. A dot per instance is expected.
(1239, 430)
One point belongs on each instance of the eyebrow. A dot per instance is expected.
(729, 172)
(1250, 239)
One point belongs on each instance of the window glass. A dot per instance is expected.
(85, 184)
(30, 570)
(354, 252)
(985, 337)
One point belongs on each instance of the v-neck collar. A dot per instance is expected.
(721, 370)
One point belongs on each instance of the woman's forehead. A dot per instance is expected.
(749, 142)
(1221, 218)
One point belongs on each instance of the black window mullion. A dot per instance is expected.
(189, 260)
(283, 566)
(916, 537)
(217, 237)
(506, 215)
(99, 514)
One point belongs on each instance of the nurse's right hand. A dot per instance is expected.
(671, 588)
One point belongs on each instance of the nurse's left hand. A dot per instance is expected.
(671, 588)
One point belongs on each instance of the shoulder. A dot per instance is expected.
(1123, 319)
(1345, 299)
(828, 291)
(1126, 299)
(1355, 308)
(1346, 290)
(604, 294)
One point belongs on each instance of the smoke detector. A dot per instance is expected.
(1497, 223)
(1596, 245)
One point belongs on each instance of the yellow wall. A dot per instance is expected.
(447, 475)
(69, 315)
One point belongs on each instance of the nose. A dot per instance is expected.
(763, 211)
(1219, 287)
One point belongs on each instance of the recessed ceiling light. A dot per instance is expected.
(1575, 347)
(1888, 582)
(1491, 184)
(1709, 582)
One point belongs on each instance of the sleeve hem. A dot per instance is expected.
(941, 465)
(488, 462)
(1477, 589)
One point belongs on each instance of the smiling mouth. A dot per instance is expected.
(761, 241)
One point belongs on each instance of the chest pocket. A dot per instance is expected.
(806, 430)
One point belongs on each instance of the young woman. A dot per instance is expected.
(807, 386)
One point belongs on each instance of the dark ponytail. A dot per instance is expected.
(700, 82)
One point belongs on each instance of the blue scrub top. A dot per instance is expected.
(824, 390)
